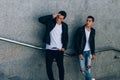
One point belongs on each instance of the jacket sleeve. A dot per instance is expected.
(78, 41)
(65, 39)
(93, 44)
(45, 19)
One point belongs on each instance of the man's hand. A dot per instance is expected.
(63, 49)
(93, 57)
(81, 57)
(55, 15)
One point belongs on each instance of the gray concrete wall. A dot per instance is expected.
(19, 21)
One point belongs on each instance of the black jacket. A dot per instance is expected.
(50, 23)
(81, 40)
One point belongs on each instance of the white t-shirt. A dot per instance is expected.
(87, 46)
(55, 38)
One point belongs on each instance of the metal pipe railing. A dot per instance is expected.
(20, 43)
(39, 48)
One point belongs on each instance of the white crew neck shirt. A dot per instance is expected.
(87, 46)
(55, 38)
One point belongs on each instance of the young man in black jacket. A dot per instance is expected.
(85, 46)
(56, 39)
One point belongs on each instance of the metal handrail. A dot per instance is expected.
(107, 49)
(39, 48)
(20, 43)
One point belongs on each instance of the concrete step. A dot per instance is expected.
(15, 78)
(2, 76)
(109, 78)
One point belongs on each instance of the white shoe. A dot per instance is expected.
(93, 78)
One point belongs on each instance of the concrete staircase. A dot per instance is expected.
(109, 78)
(3, 77)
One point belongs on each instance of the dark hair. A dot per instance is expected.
(63, 13)
(91, 18)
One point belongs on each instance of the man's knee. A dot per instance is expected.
(82, 70)
(88, 66)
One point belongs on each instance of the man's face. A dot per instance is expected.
(60, 18)
(89, 22)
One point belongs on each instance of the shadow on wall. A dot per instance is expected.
(109, 78)
(72, 35)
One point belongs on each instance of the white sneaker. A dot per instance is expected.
(93, 78)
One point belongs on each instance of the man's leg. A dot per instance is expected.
(49, 61)
(59, 60)
(89, 62)
(83, 65)
(88, 65)
(87, 75)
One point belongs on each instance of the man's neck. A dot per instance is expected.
(88, 28)
(59, 23)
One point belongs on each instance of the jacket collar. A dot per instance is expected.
(91, 32)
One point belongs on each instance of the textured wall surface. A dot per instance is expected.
(19, 21)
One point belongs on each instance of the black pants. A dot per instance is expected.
(58, 56)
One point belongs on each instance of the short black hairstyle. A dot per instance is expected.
(63, 13)
(93, 19)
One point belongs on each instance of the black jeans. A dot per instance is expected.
(58, 56)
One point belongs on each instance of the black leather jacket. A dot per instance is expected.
(50, 23)
(81, 40)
